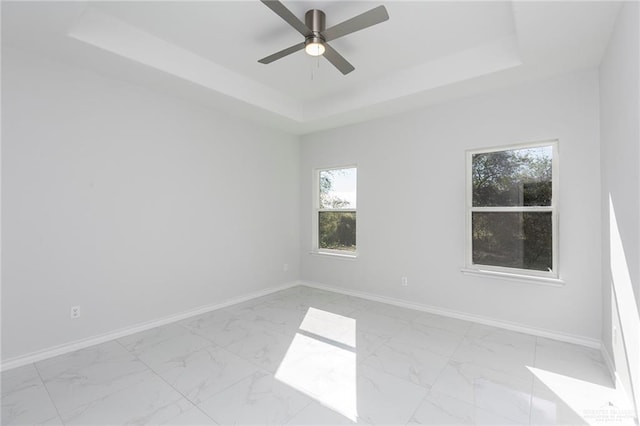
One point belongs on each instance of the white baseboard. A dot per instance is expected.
(116, 334)
(610, 365)
(550, 334)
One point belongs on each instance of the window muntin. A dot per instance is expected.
(512, 209)
(335, 218)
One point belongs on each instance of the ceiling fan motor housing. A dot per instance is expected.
(315, 21)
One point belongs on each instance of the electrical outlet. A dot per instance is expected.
(285, 267)
(75, 312)
(404, 281)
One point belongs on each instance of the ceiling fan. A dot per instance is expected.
(316, 37)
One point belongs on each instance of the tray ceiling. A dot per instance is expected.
(207, 51)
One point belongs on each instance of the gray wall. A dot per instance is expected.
(620, 162)
(133, 205)
(411, 204)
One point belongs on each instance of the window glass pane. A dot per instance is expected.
(337, 230)
(338, 189)
(513, 240)
(518, 177)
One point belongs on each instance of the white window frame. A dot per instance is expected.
(315, 233)
(552, 276)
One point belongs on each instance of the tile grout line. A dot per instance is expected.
(533, 381)
(311, 401)
(512, 375)
(169, 384)
(408, 325)
(413, 414)
(258, 368)
(48, 393)
(449, 358)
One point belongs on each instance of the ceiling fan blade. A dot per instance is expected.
(288, 16)
(364, 20)
(337, 60)
(282, 53)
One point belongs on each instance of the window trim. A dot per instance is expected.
(315, 243)
(503, 271)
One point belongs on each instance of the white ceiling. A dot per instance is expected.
(207, 51)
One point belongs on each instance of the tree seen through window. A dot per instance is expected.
(511, 208)
(337, 212)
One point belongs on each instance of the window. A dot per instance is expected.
(335, 210)
(512, 210)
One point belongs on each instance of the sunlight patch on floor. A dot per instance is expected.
(593, 403)
(321, 361)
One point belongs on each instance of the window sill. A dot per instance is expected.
(337, 255)
(529, 279)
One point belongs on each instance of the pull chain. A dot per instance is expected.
(317, 65)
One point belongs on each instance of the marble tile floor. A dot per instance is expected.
(304, 356)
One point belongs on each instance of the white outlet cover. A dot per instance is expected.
(75, 312)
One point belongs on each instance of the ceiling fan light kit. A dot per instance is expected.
(314, 48)
(316, 36)
(314, 44)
